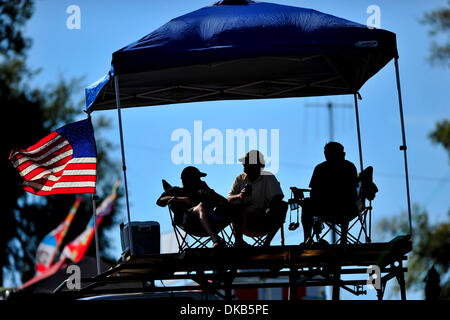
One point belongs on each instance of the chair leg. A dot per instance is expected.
(181, 239)
(198, 242)
(401, 281)
(336, 285)
(258, 241)
(292, 287)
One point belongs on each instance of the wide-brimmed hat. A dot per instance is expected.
(253, 157)
(192, 172)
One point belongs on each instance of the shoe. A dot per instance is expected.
(266, 244)
(323, 243)
(241, 244)
(219, 243)
(309, 242)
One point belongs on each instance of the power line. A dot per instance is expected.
(330, 105)
(378, 173)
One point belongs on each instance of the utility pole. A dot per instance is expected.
(329, 105)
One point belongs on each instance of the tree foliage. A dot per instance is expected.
(13, 15)
(31, 114)
(431, 245)
(441, 135)
(431, 242)
(439, 22)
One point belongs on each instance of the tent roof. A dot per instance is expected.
(251, 51)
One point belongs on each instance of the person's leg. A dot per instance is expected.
(234, 214)
(344, 216)
(307, 221)
(202, 210)
(238, 225)
(270, 236)
(344, 232)
(276, 218)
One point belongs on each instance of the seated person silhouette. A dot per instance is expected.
(333, 192)
(193, 206)
(260, 196)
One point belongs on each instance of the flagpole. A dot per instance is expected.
(96, 235)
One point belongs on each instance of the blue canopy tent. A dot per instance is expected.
(252, 51)
(243, 49)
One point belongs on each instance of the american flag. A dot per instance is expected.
(65, 161)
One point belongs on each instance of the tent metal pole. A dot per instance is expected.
(403, 146)
(94, 212)
(361, 165)
(124, 167)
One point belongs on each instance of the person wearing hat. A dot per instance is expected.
(193, 205)
(260, 195)
(333, 192)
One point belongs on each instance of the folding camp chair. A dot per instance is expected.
(200, 238)
(259, 234)
(366, 193)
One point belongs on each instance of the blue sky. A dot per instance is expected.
(303, 130)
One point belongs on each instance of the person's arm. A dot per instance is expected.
(166, 196)
(234, 197)
(186, 200)
(164, 200)
(354, 182)
(212, 194)
(240, 196)
(218, 197)
(312, 183)
(235, 193)
(273, 192)
(275, 202)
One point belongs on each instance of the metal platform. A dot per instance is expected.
(214, 270)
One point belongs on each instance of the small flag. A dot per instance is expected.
(76, 249)
(49, 246)
(65, 161)
(107, 205)
(50, 271)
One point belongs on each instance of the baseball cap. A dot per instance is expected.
(192, 172)
(253, 157)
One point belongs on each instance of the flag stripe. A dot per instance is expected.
(41, 146)
(26, 166)
(64, 178)
(43, 143)
(51, 162)
(37, 172)
(75, 162)
(74, 165)
(73, 169)
(60, 147)
(17, 154)
(59, 191)
(74, 173)
(42, 172)
(70, 184)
